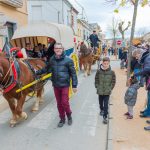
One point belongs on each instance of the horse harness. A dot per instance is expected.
(13, 79)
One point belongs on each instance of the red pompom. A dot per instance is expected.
(19, 54)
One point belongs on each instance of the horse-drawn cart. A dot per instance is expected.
(17, 78)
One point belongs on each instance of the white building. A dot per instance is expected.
(57, 11)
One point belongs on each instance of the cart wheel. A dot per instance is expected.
(76, 65)
(76, 61)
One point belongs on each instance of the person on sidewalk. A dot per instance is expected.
(123, 58)
(131, 96)
(105, 80)
(145, 72)
(136, 66)
(62, 69)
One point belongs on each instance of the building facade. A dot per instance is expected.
(13, 14)
(57, 11)
(84, 30)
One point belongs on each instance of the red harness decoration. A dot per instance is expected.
(14, 83)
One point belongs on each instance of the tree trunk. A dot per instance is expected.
(131, 37)
(122, 36)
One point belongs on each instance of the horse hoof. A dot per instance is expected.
(13, 123)
(24, 116)
(85, 75)
(35, 108)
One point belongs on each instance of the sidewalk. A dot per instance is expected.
(128, 134)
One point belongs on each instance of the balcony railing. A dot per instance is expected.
(13, 3)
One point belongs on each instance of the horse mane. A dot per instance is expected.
(2, 54)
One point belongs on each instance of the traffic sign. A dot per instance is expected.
(119, 42)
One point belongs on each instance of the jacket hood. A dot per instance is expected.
(136, 85)
(102, 68)
(145, 54)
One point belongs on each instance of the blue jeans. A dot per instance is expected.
(147, 110)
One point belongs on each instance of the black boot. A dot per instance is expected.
(148, 121)
(147, 128)
(69, 119)
(101, 113)
(61, 123)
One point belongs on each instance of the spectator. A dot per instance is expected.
(29, 50)
(131, 97)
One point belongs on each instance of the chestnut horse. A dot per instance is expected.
(87, 62)
(17, 100)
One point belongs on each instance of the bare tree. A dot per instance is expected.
(135, 4)
(122, 29)
(114, 30)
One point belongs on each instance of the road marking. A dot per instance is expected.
(45, 117)
(86, 121)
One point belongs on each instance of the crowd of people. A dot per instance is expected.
(140, 75)
(40, 51)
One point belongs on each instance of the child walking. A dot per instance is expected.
(105, 80)
(131, 96)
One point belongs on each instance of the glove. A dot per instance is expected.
(38, 72)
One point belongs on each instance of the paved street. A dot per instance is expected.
(40, 131)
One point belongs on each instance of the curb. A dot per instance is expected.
(109, 145)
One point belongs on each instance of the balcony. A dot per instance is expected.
(13, 3)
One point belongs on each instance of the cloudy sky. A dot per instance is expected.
(101, 12)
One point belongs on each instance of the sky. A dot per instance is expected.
(101, 12)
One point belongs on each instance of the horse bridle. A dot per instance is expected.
(4, 77)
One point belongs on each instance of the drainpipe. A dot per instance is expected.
(63, 11)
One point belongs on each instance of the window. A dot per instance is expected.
(10, 27)
(36, 12)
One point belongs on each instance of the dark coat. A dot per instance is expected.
(135, 64)
(62, 70)
(145, 60)
(94, 40)
(105, 81)
(124, 55)
(131, 95)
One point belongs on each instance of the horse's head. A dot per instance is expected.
(4, 65)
